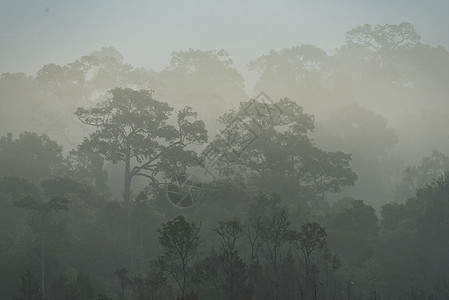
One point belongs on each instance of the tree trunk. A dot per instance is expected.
(43, 255)
(306, 288)
(128, 206)
(276, 277)
(184, 275)
(127, 185)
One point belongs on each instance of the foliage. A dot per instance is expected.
(29, 288)
(414, 177)
(280, 147)
(132, 128)
(30, 156)
(180, 240)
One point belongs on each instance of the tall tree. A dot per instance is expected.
(180, 240)
(311, 239)
(270, 144)
(133, 128)
(29, 288)
(273, 227)
(311, 243)
(45, 209)
(414, 240)
(232, 265)
(383, 38)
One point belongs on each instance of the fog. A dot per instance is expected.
(300, 150)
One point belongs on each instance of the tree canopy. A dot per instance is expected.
(133, 128)
(262, 140)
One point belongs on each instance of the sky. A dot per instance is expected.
(37, 32)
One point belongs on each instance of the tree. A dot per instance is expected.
(44, 208)
(124, 281)
(311, 241)
(207, 80)
(43, 203)
(269, 143)
(300, 72)
(353, 231)
(52, 95)
(414, 177)
(30, 156)
(86, 166)
(413, 240)
(378, 50)
(29, 288)
(231, 264)
(383, 38)
(132, 128)
(180, 240)
(13, 188)
(80, 287)
(375, 63)
(261, 208)
(151, 286)
(275, 233)
(253, 237)
(371, 141)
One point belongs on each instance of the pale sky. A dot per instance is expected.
(37, 32)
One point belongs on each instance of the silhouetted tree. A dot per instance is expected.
(29, 156)
(275, 233)
(269, 143)
(44, 208)
(131, 127)
(29, 288)
(231, 265)
(123, 280)
(180, 240)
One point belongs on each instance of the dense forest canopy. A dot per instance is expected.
(329, 180)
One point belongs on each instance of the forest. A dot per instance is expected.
(330, 180)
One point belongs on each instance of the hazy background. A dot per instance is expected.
(382, 117)
(35, 33)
